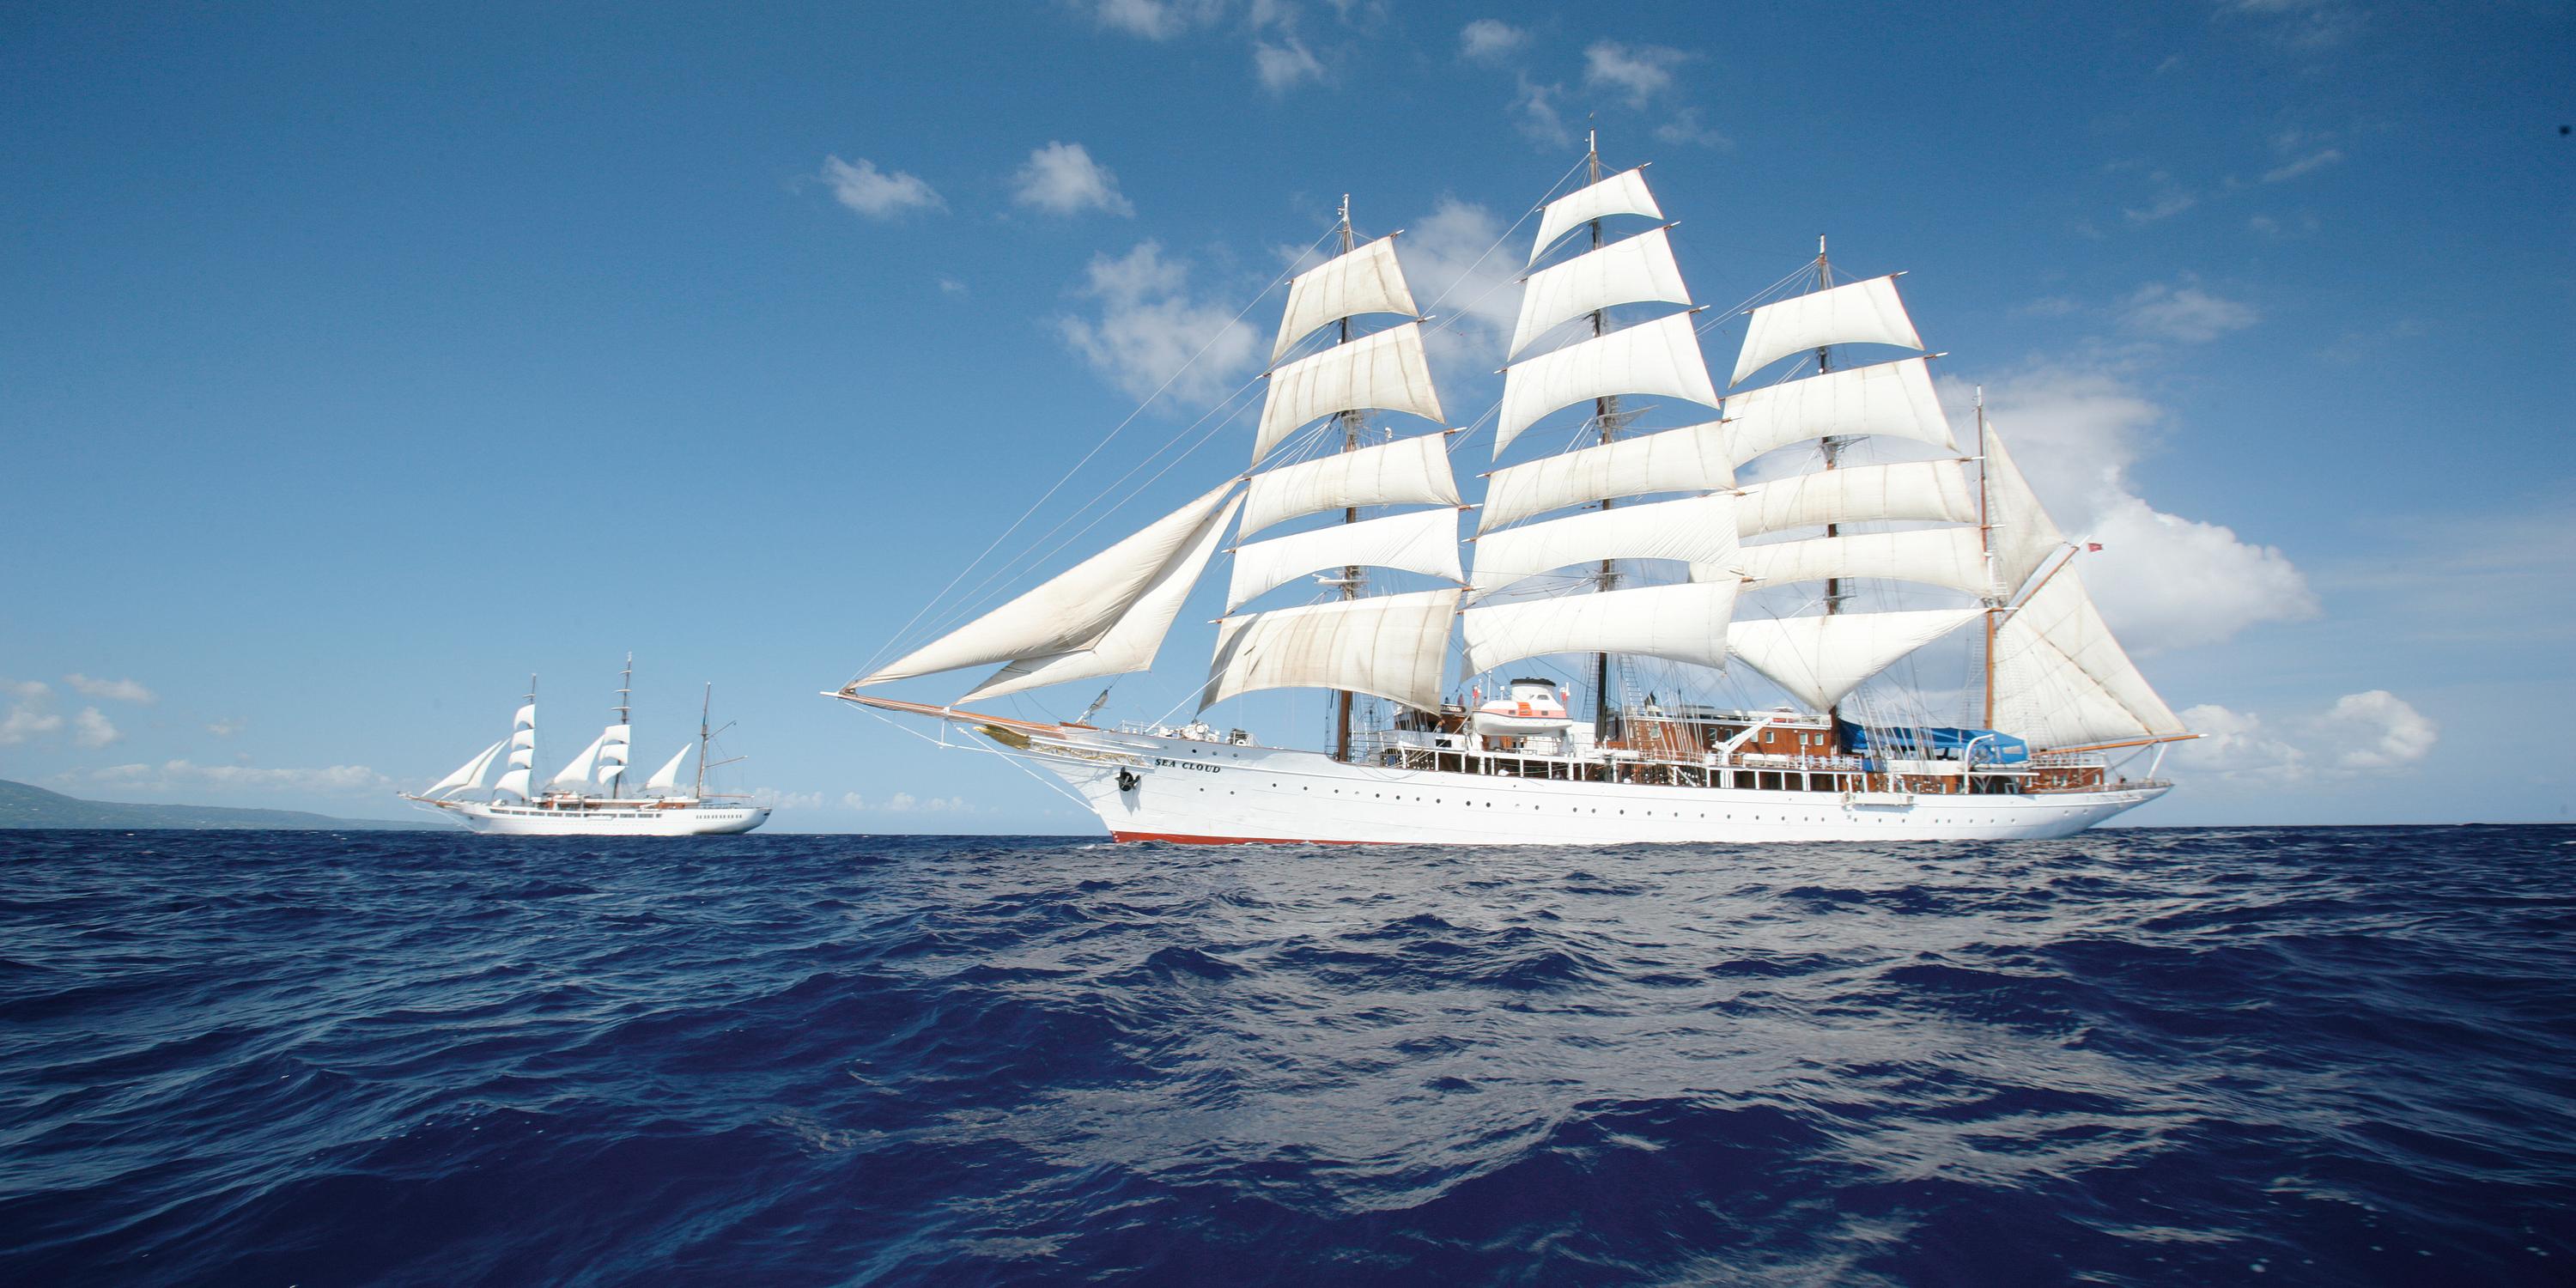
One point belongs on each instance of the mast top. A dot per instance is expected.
(625, 687)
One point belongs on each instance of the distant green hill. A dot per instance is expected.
(25, 806)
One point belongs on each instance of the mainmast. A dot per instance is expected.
(1986, 541)
(1833, 450)
(1350, 514)
(1605, 410)
(706, 704)
(625, 694)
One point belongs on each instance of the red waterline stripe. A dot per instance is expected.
(1176, 839)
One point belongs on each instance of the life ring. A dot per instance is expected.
(1127, 780)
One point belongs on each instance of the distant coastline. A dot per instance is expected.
(25, 806)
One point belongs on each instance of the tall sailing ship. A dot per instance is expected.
(587, 797)
(1823, 536)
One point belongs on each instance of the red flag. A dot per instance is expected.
(2092, 545)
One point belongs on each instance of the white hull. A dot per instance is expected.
(1215, 793)
(622, 820)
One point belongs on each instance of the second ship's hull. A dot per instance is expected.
(1151, 787)
(679, 820)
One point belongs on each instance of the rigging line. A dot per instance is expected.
(1013, 761)
(1096, 449)
(1717, 319)
(1507, 234)
(1038, 552)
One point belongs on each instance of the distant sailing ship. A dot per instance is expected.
(1819, 580)
(585, 799)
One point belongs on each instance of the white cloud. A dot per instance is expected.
(2376, 730)
(1534, 112)
(1284, 64)
(2363, 734)
(2236, 745)
(951, 286)
(776, 799)
(25, 721)
(2312, 161)
(1150, 330)
(1152, 19)
(2170, 201)
(1685, 130)
(2163, 581)
(26, 690)
(113, 690)
(907, 803)
(1639, 71)
(1489, 40)
(1062, 179)
(181, 775)
(93, 730)
(227, 728)
(2185, 313)
(2171, 582)
(878, 194)
(1470, 284)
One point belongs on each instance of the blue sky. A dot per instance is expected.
(358, 363)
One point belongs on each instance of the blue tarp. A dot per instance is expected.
(1939, 744)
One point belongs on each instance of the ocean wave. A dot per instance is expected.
(2133, 1057)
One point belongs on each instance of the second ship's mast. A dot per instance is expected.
(625, 693)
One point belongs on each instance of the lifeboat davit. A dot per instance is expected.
(1531, 708)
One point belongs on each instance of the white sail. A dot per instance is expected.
(1699, 530)
(1365, 280)
(523, 741)
(469, 774)
(1657, 358)
(1820, 660)
(1070, 611)
(1425, 541)
(613, 752)
(1393, 646)
(1690, 459)
(2061, 680)
(1131, 643)
(576, 774)
(1684, 623)
(1406, 471)
(2018, 528)
(1892, 398)
(667, 779)
(1862, 313)
(514, 782)
(1639, 270)
(1949, 557)
(1930, 490)
(1385, 371)
(1623, 193)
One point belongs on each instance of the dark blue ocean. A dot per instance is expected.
(2334, 1056)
